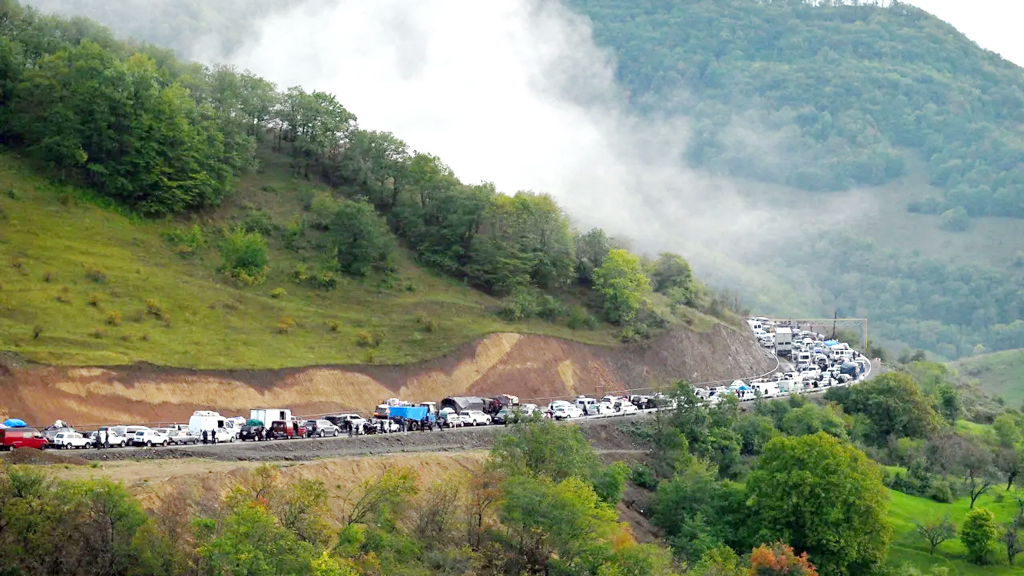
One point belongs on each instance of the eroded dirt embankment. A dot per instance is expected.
(536, 368)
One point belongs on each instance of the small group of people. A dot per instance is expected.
(209, 437)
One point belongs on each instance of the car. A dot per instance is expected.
(111, 438)
(626, 407)
(321, 428)
(451, 419)
(149, 438)
(176, 436)
(565, 411)
(604, 407)
(253, 432)
(476, 418)
(69, 440)
(346, 421)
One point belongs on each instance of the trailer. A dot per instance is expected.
(268, 415)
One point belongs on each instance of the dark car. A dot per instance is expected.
(252, 432)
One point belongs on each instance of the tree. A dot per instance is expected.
(671, 272)
(894, 405)
(380, 499)
(978, 533)
(1007, 427)
(755, 432)
(591, 249)
(824, 497)
(936, 531)
(622, 283)
(779, 560)
(950, 403)
(1011, 539)
(812, 418)
(1010, 462)
(361, 240)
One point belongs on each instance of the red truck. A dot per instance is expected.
(11, 438)
(286, 429)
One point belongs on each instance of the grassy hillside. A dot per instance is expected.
(101, 287)
(909, 547)
(998, 374)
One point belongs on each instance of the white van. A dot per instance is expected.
(803, 358)
(268, 415)
(766, 389)
(587, 405)
(206, 421)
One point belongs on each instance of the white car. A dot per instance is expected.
(452, 419)
(476, 418)
(566, 411)
(149, 438)
(68, 440)
(604, 407)
(625, 407)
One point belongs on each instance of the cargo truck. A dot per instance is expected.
(783, 341)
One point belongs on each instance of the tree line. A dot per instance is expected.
(164, 137)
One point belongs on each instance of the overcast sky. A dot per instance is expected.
(994, 24)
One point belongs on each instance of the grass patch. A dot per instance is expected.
(183, 312)
(909, 547)
(997, 374)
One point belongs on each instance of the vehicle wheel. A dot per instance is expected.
(149, 443)
(335, 433)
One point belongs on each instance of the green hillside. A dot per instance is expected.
(997, 374)
(71, 267)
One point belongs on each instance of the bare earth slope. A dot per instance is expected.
(536, 368)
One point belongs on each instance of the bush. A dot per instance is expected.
(550, 308)
(94, 300)
(941, 491)
(429, 324)
(114, 318)
(187, 241)
(333, 325)
(37, 331)
(955, 220)
(98, 334)
(579, 318)
(94, 274)
(278, 293)
(245, 256)
(294, 232)
(153, 308)
(366, 339)
(258, 221)
(322, 208)
(285, 324)
(643, 476)
(522, 304)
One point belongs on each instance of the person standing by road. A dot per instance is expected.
(204, 437)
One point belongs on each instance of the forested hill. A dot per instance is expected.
(262, 189)
(824, 95)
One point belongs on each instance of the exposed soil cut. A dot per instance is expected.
(535, 368)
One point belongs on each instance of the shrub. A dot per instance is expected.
(94, 274)
(49, 276)
(245, 256)
(98, 333)
(520, 305)
(17, 262)
(94, 300)
(978, 533)
(285, 324)
(258, 221)
(579, 318)
(294, 232)
(65, 296)
(428, 323)
(37, 331)
(12, 193)
(941, 491)
(333, 325)
(322, 208)
(955, 220)
(278, 293)
(114, 318)
(324, 280)
(364, 339)
(643, 476)
(153, 308)
(550, 308)
(186, 241)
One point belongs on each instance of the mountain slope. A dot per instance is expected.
(103, 288)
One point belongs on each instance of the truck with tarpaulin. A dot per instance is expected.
(416, 417)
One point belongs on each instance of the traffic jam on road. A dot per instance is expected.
(808, 363)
